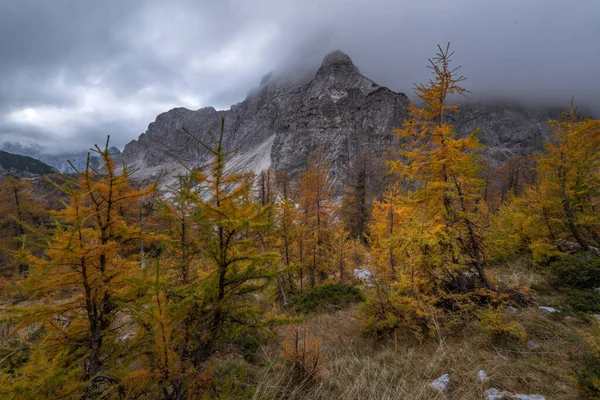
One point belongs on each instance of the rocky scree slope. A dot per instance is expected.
(338, 110)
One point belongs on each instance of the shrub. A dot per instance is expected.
(388, 309)
(580, 271)
(500, 327)
(589, 377)
(320, 298)
(584, 301)
(303, 352)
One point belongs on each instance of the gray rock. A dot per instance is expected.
(283, 122)
(511, 309)
(496, 394)
(333, 307)
(493, 394)
(532, 345)
(548, 310)
(482, 376)
(596, 317)
(597, 290)
(362, 274)
(441, 383)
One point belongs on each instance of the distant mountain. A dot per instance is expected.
(22, 166)
(59, 162)
(338, 110)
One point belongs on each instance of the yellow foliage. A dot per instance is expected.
(499, 326)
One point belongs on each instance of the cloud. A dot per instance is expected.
(75, 71)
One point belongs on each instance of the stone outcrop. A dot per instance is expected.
(338, 110)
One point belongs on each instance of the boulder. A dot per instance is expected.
(362, 274)
(441, 383)
(548, 310)
(482, 376)
(532, 345)
(496, 394)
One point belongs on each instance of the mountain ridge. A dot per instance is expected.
(22, 166)
(338, 110)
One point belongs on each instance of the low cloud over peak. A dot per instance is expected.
(73, 72)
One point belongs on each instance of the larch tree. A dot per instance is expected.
(387, 235)
(286, 230)
(445, 172)
(22, 223)
(317, 206)
(83, 279)
(231, 226)
(559, 211)
(356, 201)
(569, 175)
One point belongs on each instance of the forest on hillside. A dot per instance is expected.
(228, 284)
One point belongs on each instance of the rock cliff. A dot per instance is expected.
(280, 124)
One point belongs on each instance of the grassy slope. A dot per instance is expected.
(359, 367)
(355, 366)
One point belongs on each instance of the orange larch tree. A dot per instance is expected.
(83, 279)
(445, 172)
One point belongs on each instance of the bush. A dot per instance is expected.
(589, 377)
(389, 309)
(580, 271)
(302, 351)
(497, 324)
(584, 301)
(322, 297)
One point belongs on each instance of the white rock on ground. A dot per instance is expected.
(532, 345)
(548, 310)
(482, 376)
(496, 394)
(493, 394)
(441, 383)
(511, 309)
(362, 274)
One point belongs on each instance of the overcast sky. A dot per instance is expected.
(73, 71)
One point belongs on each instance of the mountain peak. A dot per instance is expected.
(337, 61)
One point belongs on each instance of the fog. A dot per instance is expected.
(74, 71)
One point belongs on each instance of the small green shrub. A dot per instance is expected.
(322, 297)
(230, 381)
(580, 271)
(585, 301)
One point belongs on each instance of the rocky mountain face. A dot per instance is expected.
(281, 124)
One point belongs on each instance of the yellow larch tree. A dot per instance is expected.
(559, 212)
(445, 172)
(81, 283)
(317, 206)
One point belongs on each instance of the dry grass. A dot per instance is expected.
(517, 271)
(358, 367)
